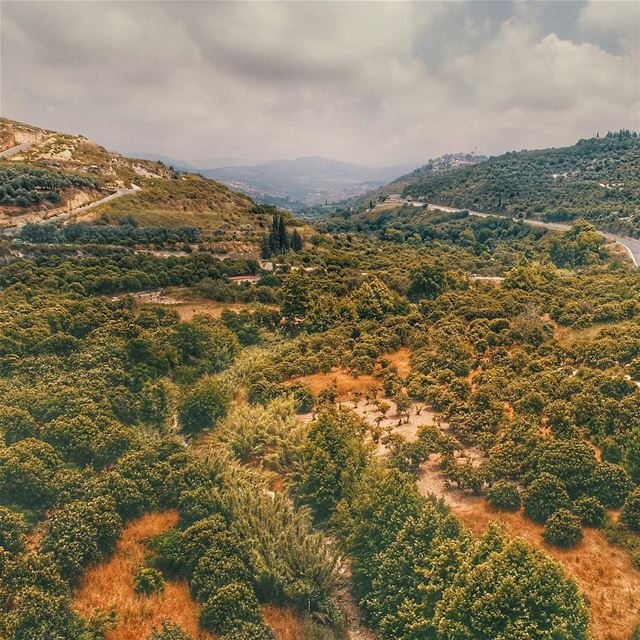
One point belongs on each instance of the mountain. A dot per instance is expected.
(46, 174)
(597, 178)
(303, 181)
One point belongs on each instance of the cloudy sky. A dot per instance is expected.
(374, 83)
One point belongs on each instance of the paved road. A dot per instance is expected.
(631, 245)
(14, 230)
(7, 153)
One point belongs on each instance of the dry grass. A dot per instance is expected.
(347, 383)
(111, 584)
(284, 622)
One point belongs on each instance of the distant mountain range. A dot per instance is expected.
(296, 183)
(304, 181)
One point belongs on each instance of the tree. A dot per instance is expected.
(545, 495)
(12, 530)
(523, 594)
(27, 471)
(590, 511)
(296, 297)
(232, 604)
(562, 529)
(296, 240)
(82, 532)
(427, 282)
(611, 484)
(504, 495)
(16, 424)
(203, 406)
(630, 514)
(148, 581)
(332, 460)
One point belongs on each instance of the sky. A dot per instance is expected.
(380, 83)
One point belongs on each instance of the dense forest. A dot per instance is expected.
(597, 179)
(112, 410)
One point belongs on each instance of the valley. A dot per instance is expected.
(220, 421)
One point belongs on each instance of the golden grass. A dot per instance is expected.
(284, 622)
(111, 584)
(347, 383)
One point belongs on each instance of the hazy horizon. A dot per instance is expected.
(375, 84)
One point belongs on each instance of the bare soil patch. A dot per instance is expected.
(187, 306)
(347, 383)
(111, 584)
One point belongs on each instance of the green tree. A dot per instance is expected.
(12, 530)
(545, 495)
(504, 495)
(203, 406)
(562, 529)
(523, 594)
(630, 514)
(296, 240)
(332, 460)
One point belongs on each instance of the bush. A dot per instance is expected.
(214, 571)
(504, 495)
(590, 511)
(232, 604)
(611, 484)
(545, 495)
(202, 407)
(12, 530)
(169, 631)
(630, 514)
(148, 581)
(563, 529)
(250, 631)
(16, 424)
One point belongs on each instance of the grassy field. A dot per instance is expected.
(186, 201)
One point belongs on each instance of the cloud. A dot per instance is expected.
(377, 83)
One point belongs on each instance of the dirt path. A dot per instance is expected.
(111, 584)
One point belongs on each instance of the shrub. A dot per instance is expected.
(630, 514)
(562, 529)
(590, 511)
(214, 571)
(148, 581)
(611, 484)
(504, 495)
(545, 495)
(12, 530)
(169, 631)
(231, 604)
(202, 407)
(250, 631)
(16, 424)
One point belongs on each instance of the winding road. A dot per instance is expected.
(15, 229)
(631, 245)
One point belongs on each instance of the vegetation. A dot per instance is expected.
(24, 186)
(112, 410)
(597, 179)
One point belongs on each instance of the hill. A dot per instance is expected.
(47, 175)
(303, 181)
(597, 179)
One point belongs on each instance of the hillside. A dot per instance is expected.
(597, 179)
(47, 175)
(303, 181)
